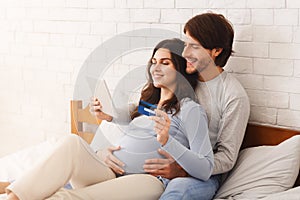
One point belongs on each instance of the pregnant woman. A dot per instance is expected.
(179, 126)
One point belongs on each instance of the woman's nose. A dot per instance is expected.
(156, 66)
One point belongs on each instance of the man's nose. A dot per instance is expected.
(185, 52)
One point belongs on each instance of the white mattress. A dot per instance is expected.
(13, 165)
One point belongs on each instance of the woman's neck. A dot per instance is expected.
(165, 94)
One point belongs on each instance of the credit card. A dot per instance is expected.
(146, 108)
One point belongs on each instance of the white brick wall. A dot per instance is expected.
(281, 16)
(275, 67)
(266, 4)
(284, 50)
(283, 34)
(175, 15)
(243, 33)
(227, 4)
(146, 15)
(288, 118)
(251, 81)
(268, 99)
(239, 16)
(160, 4)
(251, 49)
(282, 84)
(297, 68)
(262, 16)
(263, 115)
(293, 4)
(240, 65)
(294, 102)
(45, 42)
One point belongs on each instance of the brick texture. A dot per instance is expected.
(44, 44)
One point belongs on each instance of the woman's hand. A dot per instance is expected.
(95, 109)
(162, 126)
(110, 160)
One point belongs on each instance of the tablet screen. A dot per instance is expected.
(103, 94)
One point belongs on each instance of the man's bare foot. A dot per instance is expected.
(3, 185)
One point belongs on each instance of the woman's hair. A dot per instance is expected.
(186, 83)
(212, 31)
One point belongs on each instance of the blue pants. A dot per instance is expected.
(189, 188)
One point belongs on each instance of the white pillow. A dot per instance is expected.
(291, 194)
(261, 171)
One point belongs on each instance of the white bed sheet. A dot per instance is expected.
(13, 165)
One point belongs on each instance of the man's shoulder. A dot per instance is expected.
(225, 87)
(233, 87)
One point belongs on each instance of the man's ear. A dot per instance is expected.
(217, 51)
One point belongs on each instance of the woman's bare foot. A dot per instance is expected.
(12, 196)
(3, 185)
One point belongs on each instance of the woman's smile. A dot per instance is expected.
(157, 76)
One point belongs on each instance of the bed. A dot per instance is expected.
(272, 151)
(264, 148)
(267, 167)
(281, 170)
(257, 135)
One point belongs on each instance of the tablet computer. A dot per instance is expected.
(104, 96)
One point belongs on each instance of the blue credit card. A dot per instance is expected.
(146, 108)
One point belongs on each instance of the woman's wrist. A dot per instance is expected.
(109, 118)
(163, 140)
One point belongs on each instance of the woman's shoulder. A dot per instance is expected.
(190, 109)
(188, 104)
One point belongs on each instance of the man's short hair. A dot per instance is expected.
(212, 31)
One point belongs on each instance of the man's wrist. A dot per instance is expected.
(182, 173)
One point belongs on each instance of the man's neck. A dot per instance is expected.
(210, 73)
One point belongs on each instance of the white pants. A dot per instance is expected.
(73, 160)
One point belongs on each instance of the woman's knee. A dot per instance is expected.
(68, 143)
(71, 139)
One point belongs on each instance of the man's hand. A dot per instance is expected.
(167, 168)
(110, 160)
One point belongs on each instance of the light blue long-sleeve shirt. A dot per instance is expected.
(188, 142)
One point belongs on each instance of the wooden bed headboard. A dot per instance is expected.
(255, 135)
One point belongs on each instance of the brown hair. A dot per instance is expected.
(212, 31)
(186, 83)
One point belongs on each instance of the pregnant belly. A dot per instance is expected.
(135, 150)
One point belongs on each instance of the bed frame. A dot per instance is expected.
(255, 135)
(79, 116)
